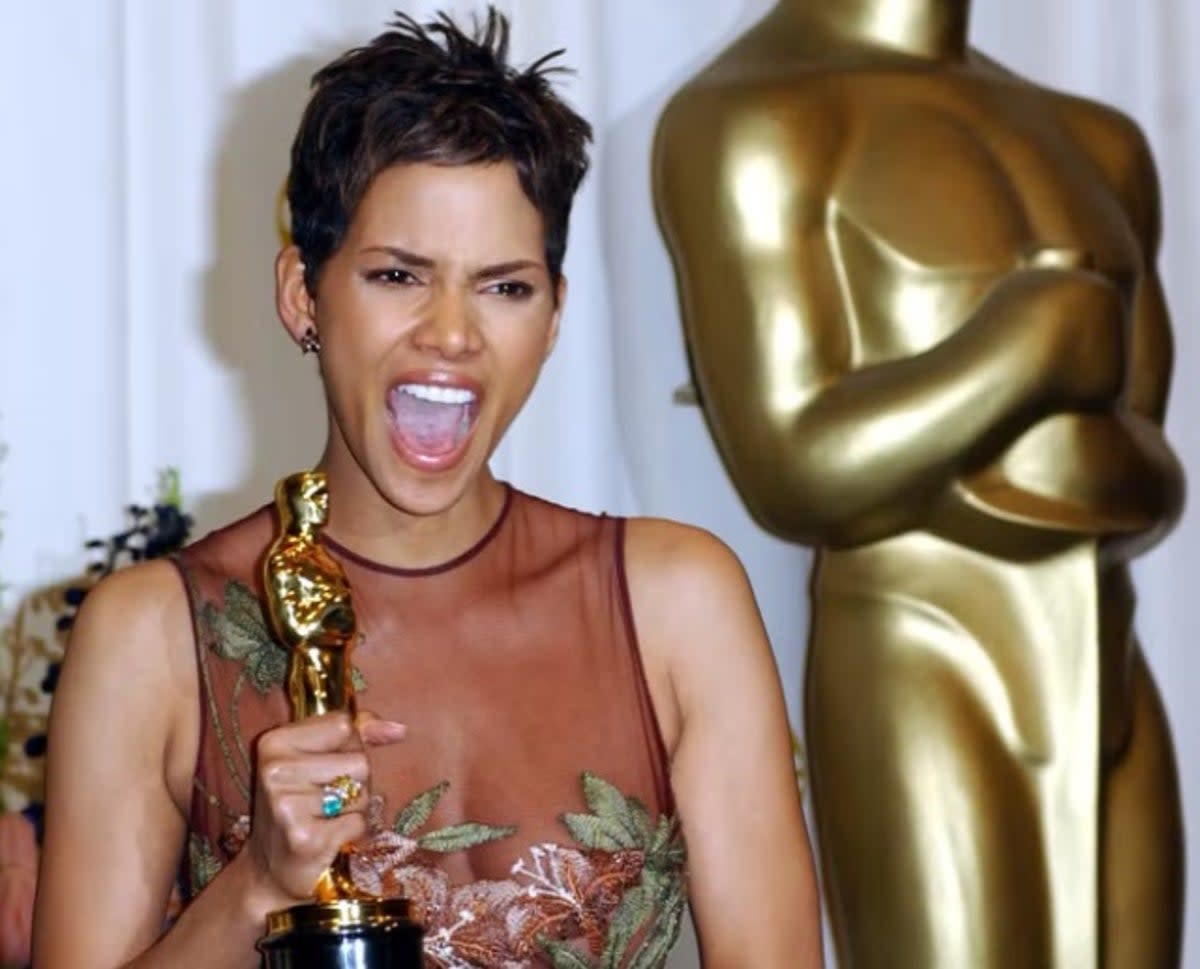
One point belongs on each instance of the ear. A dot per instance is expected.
(560, 298)
(296, 308)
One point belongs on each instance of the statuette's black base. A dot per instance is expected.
(369, 947)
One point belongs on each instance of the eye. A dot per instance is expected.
(393, 276)
(511, 289)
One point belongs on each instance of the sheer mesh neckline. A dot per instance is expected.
(461, 559)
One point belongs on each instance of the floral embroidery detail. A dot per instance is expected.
(240, 633)
(614, 901)
(649, 910)
(235, 837)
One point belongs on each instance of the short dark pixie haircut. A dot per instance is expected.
(431, 93)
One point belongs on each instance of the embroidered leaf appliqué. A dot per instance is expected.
(636, 907)
(240, 633)
(202, 863)
(657, 946)
(641, 820)
(562, 956)
(462, 837)
(653, 907)
(414, 814)
(665, 851)
(616, 821)
(598, 834)
(609, 803)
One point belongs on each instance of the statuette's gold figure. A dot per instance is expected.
(920, 300)
(308, 600)
(309, 605)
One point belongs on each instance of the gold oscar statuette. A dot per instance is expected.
(311, 612)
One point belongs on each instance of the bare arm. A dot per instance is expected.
(115, 826)
(825, 448)
(1153, 346)
(123, 748)
(753, 891)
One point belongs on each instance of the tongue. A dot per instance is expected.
(425, 426)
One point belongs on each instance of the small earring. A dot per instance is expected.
(310, 342)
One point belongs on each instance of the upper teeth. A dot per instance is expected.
(439, 395)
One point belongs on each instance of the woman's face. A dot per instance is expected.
(434, 316)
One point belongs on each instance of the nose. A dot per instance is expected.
(448, 327)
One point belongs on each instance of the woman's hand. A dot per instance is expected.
(291, 840)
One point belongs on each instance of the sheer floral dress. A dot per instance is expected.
(528, 814)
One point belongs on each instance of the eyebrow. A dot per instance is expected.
(403, 256)
(507, 268)
(407, 258)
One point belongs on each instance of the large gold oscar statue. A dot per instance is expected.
(920, 300)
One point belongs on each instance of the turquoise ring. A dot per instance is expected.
(339, 792)
(331, 802)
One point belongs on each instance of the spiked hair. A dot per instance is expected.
(431, 93)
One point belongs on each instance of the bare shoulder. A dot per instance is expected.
(132, 608)
(698, 624)
(133, 634)
(670, 559)
(130, 651)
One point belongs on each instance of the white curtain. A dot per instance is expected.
(145, 142)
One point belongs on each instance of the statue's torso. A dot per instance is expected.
(933, 185)
(945, 185)
(310, 585)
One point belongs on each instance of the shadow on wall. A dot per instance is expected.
(674, 466)
(282, 410)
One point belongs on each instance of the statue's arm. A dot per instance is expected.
(822, 448)
(1119, 148)
(284, 604)
(1153, 348)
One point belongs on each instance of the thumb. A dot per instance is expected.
(376, 732)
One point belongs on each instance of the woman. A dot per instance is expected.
(559, 701)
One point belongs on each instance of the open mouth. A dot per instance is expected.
(432, 422)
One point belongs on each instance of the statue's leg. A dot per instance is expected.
(927, 823)
(1142, 838)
